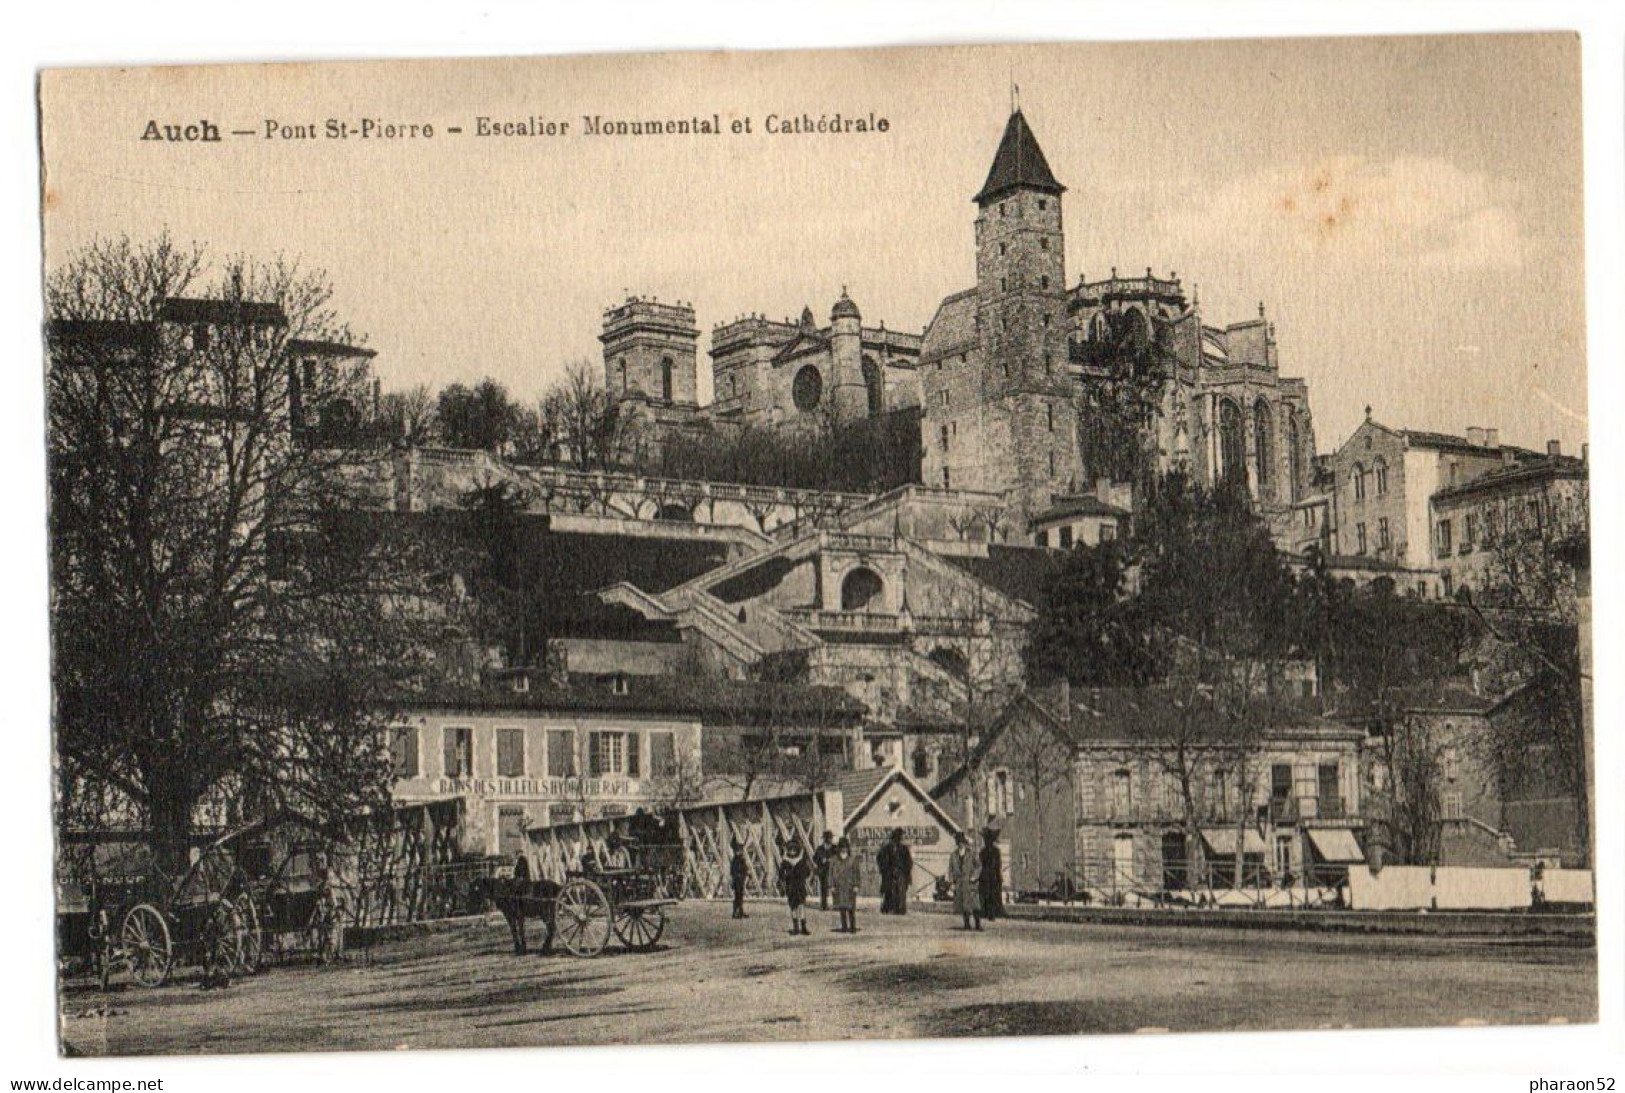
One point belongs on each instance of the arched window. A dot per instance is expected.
(874, 384)
(1263, 441)
(665, 378)
(950, 660)
(1294, 456)
(1357, 478)
(1232, 445)
(1381, 466)
(860, 590)
(807, 389)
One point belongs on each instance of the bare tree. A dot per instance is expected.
(581, 422)
(221, 623)
(410, 416)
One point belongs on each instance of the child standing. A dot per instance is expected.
(794, 871)
(843, 882)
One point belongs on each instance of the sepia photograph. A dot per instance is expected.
(923, 542)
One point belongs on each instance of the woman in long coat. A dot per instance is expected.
(965, 869)
(843, 883)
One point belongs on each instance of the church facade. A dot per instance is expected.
(1001, 374)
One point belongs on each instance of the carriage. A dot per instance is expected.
(290, 896)
(599, 900)
(121, 912)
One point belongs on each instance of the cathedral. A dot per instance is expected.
(1000, 373)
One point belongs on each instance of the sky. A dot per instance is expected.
(1408, 210)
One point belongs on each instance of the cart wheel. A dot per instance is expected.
(253, 939)
(144, 944)
(640, 928)
(583, 917)
(223, 939)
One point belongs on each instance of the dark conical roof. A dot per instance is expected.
(1019, 164)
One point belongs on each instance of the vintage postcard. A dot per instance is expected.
(919, 542)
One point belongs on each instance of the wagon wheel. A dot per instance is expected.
(253, 936)
(144, 945)
(583, 917)
(640, 928)
(223, 934)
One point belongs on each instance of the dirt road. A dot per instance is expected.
(717, 979)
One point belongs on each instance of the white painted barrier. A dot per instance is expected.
(1463, 888)
(1396, 888)
(1567, 886)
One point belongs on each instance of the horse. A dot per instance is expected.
(512, 896)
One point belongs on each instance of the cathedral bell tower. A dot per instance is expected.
(1022, 324)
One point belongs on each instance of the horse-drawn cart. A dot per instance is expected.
(597, 901)
(120, 911)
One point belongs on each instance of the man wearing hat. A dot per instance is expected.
(843, 881)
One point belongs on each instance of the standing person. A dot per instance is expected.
(992, 883)
(897, 876)
(843, 879)
(736, 873)
(886, 867)
(794, 872)
(966, 870)
(821, 859)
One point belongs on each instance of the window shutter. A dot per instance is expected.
(633, 739)
(449, 737)
(595, 755)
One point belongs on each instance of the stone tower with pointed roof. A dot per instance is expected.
(998, 400)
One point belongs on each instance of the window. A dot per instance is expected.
(662, 754)
(1469, 532)
(1452, 806)
(1452, 761)
(1001, 250)
(561, 753)
(1444, 538)
(1066, 537)
(1448, 584)
(665, 378)
(1043, 281)
(1327, 789)
(510, 753)
(1049, 417)
(200, 337)
(1383, 542)
(922, 763)
(1122, 793)
(946, 480)
(613, 753)
(1382, 477)
(403, 751)
(1280, 781)
(945, 438)
(458, 747)
(1358, 478)
(1043, 538)
(1219, 803)
(1359, 538)
(1042, 204)
(1052, 464)
(1108, 532)
(1043, 244)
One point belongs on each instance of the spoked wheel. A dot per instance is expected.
(144, 945)
(253, 939)
(640, 928)
(223, 935)
(582, 917)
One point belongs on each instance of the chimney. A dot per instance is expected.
(1554, 448)
(1492, 438)
(1475, 435)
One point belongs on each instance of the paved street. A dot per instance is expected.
(716, 979)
